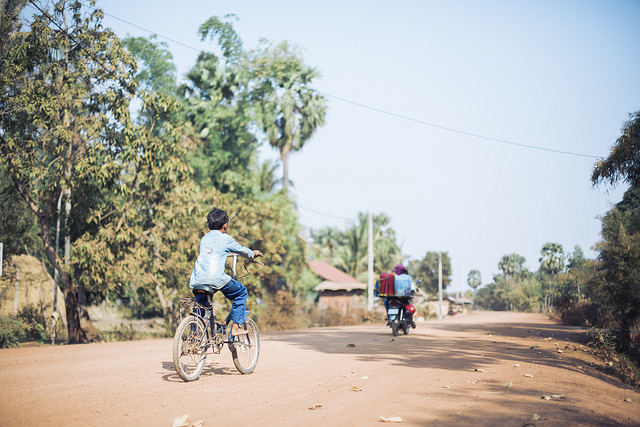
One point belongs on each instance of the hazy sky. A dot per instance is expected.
(430, 105)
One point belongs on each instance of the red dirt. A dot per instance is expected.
(450, 372)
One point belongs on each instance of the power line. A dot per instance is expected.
(381, 111)
(475, 135)
(324, 214)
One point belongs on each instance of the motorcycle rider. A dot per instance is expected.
(404, 287)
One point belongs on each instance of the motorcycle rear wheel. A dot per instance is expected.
(394, 328)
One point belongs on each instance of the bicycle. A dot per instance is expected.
(200, 332)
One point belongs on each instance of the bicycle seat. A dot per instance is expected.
(199, 288)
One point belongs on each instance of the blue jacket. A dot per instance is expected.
(214, 248)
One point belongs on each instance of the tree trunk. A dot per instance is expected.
(285, 171)
(17, 293)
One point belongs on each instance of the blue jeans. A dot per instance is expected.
(235, 292)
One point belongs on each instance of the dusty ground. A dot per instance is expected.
(481, 369)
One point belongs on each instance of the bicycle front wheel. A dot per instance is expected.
(189, 352)
(245, 349)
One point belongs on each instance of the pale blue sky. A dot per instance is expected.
(560, 75)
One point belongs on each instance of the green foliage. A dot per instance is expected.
(348, 249)
(215, 106)
(427, 271)
(66, 87)
(18, 224)
(289, 110)
(617, 281)
(12, 331)
(512, 266)
(623, 163)
(522, 293)
(156, 70)
(474, 279)
(29, 325)
(552, 260)
(624, 364)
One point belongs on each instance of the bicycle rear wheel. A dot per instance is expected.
(245, 349)
(189, 354)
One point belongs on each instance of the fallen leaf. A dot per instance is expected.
(390, 419)
(627, 400)
(536, 417)
(517, 365)
(364, 378)
(560, 351)
(509, 384)
(554, 397)
(528, 375)
(314, 407)
(447, 386)
(183, 421)
(356, 388)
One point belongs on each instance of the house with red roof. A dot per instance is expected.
(339, 291)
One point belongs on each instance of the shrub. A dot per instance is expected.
(12, 331)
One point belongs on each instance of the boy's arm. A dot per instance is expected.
(237, 248)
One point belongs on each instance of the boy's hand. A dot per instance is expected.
(257, 253)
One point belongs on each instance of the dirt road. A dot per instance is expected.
(478, 369)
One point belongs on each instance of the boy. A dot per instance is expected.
(209, 267)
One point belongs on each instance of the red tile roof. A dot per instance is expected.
(330, 273)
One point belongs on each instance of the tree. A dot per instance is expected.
(623, 163)
(348, 249)
(66, 86)
(511, 265)
(474, 280)
(618, 275)
(551, 265)
(426, 270)
(552, 260)
(617, 280)
(290, 111)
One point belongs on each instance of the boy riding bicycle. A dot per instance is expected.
(209, 267)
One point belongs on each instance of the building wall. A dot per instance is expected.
(341, 301)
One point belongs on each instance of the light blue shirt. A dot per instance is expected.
(404, 284)
(214, 248)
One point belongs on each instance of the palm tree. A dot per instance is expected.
(289, 110)
(511, 265)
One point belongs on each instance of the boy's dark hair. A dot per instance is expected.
(216, 219)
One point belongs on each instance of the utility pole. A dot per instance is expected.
(370, 266)
(440, 285)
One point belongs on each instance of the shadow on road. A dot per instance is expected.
(461, 345)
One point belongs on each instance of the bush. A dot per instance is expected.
(584, 313)
(12, 331)
(623, 364)
(281, 312)
(121, 333)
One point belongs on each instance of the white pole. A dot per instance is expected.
(370, 266)
(440, 285)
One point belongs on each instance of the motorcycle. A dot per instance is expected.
(400, 313)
